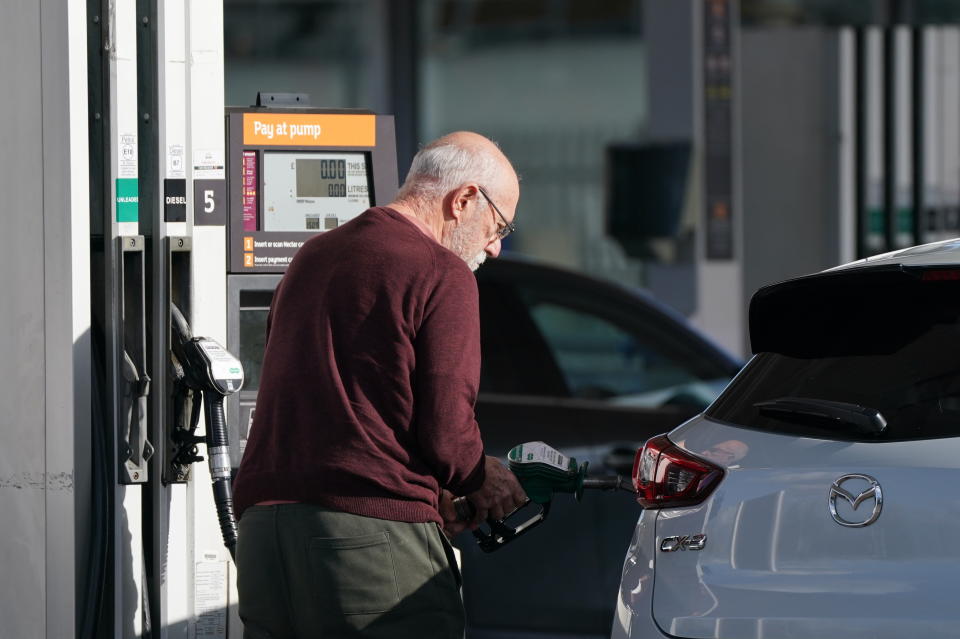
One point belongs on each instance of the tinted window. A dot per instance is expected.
(908, 369)
(552, 333)
(515, 358)
(600, 359)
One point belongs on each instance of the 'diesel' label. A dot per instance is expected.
(175, 200)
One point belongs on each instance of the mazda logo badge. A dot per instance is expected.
(872, 492)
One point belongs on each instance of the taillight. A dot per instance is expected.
(941, 275)
(667, 476)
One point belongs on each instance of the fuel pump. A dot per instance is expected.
(203, 366)
(541, 471)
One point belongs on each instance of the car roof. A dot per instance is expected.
(945, 252)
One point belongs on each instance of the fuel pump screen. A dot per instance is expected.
(321, 178)
(313, 191)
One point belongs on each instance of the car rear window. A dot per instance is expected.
(893, 347)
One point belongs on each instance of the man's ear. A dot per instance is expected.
(451, 211)
(460, 199)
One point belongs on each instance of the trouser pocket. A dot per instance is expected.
(451, 555)
(354, 575)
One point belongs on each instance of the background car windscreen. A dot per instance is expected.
(892, 346)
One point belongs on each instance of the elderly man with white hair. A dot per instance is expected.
(365, 429)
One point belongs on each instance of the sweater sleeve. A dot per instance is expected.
(447, 379)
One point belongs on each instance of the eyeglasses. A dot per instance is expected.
(508, 227)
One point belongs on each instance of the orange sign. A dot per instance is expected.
(309, 129)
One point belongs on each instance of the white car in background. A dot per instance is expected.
(819, 495)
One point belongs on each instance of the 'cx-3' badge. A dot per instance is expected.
(683, 542)
(871, 492)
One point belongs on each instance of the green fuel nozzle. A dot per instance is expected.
(542, 471)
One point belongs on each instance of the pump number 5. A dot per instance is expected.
(209, 202)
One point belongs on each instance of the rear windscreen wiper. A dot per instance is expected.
(866, 420)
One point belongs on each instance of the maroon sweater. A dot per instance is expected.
(370, 374)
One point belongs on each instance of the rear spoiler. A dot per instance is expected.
(870, 310)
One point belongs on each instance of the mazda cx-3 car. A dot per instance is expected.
(594, 369)
(817, 496)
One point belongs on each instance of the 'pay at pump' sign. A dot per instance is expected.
(309, 129)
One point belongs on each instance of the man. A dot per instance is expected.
(364, 430)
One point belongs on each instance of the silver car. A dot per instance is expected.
(594, 369)
(817, 496)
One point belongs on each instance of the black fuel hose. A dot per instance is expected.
(181, 327)
(218, 455)
(92, 607)
(218, 446)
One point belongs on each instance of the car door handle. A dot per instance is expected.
(621, 460)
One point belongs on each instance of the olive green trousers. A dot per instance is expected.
(304, 571)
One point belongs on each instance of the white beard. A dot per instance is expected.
(463, 238)
(479, 259)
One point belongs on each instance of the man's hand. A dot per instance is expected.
(452, 526)
(500, 494)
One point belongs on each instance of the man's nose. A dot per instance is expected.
(493, 248)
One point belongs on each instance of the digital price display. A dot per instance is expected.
(321, 178)
(313, 191)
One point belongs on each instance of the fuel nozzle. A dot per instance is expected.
(203, 365)
(541, 471)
